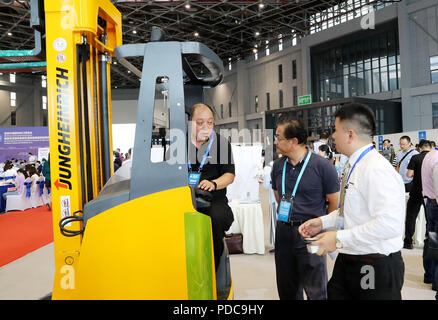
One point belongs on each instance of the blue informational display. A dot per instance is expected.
(380, 143)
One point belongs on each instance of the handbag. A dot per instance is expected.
(234, 243)
(431, 246)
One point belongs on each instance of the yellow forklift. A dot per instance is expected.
(118, 237)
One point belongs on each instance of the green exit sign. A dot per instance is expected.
(302, 100)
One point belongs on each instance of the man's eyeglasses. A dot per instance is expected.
(278, 138)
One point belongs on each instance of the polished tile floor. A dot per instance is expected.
(31, 277)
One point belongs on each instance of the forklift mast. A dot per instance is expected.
(80, 40)
(135, 236)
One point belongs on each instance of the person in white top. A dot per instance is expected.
(9, 171)
(371, 216)
(324, 138)
(32, 158)
(33, 173)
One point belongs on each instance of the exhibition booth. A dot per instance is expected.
(23, 145)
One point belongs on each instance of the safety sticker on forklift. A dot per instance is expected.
(61, 57)
(60, 44)
(65, 207)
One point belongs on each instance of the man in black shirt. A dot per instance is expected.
(211, 168)
(416, 194)
(295, 266)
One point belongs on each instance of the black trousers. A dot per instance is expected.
(367, 279)
(412, 209)
(221, 219)
(296, 268)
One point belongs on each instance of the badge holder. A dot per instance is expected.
(194, 179)
(195, 176)
(285, 209)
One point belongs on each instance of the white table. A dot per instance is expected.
(420, 227)
(248, 220)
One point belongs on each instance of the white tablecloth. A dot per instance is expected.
(248, 220)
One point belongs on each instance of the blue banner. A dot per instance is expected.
(380, 143)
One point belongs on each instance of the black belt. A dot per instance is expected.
(293, 223)
(432, 200)
(367, 258)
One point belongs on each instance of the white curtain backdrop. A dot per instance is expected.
(247, 160)
(123, 136)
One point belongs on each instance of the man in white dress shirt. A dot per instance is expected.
(369, 224)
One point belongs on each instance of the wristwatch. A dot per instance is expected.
(215, 184)
(338, 243)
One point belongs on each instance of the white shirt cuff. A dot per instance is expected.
(344, 236)
(329, 220)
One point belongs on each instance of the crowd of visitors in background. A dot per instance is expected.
(30, 167)
(16, 171)
(119, 158)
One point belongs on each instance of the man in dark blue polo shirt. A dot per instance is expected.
(301, 181)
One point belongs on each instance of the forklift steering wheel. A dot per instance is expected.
(203, 199)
